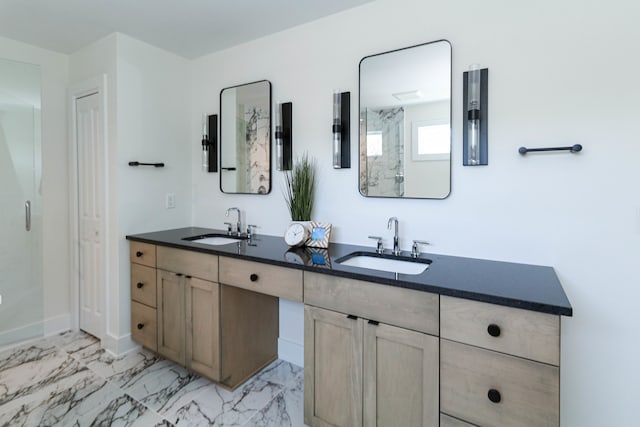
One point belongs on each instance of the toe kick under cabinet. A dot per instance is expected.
(183, 310)
(379, 355)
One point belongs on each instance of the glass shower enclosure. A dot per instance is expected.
(21, 290)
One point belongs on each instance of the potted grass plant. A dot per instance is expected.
(299, 186)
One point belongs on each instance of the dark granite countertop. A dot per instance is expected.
(530, 287)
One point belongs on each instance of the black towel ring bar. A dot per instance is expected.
(157, 165)
(573, 149)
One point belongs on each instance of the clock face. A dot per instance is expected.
(296, 234)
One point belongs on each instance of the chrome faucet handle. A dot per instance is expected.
(379, 244)
(415, 251)
(251, 229)
(229, 231)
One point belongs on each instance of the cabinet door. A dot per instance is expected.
(332, 368)
(171, 316)
(401, 377)
(203, 327)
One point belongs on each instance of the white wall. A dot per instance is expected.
(148, 113)
(55, 227)
(153, 126)
(560, 73)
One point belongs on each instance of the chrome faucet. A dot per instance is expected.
(239, 222)
(396, 246)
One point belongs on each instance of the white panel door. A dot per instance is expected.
(91, 213)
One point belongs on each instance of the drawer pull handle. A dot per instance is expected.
(139, 254)
(374, 323)
(253, 277)
(494, 330)
(140, 325)
(188, 277)
(351, 316)
(179, 274)
(494, 395)
(140, 285)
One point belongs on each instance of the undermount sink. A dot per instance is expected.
(215, 239)
(382, 262)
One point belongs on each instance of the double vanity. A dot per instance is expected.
(462, 342)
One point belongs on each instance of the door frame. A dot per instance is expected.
(96, 85)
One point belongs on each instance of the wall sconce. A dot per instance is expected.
(210, 143)
(284, 144)
(475, 112)
(340, 129)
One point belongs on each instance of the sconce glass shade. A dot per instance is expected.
(337, 123)
(278, 136)
(475, 88)
(209, 159)
(205, 143)
(473, 116)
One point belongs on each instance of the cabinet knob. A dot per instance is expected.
(494, 395)
(139, 254)
(253, 277)
(493, 330)
(140, 285)
(140, 325)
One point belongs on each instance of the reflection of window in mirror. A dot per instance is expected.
(430, 140)
(374, 143)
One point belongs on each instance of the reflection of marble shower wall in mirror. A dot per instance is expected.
(385, 173)
(256, 131)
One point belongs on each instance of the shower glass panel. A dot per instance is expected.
(21, 292)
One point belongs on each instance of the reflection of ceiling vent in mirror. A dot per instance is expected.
(411, 95)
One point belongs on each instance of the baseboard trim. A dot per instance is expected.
(57, 324)
(118, 346)
(291, 352)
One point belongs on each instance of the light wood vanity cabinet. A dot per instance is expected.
(360, 371)
(375, 355)
(222, 332)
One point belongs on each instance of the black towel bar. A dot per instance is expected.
(573, 149)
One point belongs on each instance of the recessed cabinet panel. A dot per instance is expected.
(493, 389)
(401, 377)
(509, 330)
(203, 327)
(333, 368)
(171, 316)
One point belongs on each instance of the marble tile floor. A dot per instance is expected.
(67, 380)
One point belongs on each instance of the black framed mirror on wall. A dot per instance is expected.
(245, 138)
(405, 122)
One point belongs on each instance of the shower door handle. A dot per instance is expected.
(27, 215)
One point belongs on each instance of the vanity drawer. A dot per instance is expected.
(268, 279)
(143, 284)
(142, 253)
(144, 326)
(493, 389)
(523, 333)
(392, 305)
(196, 264)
